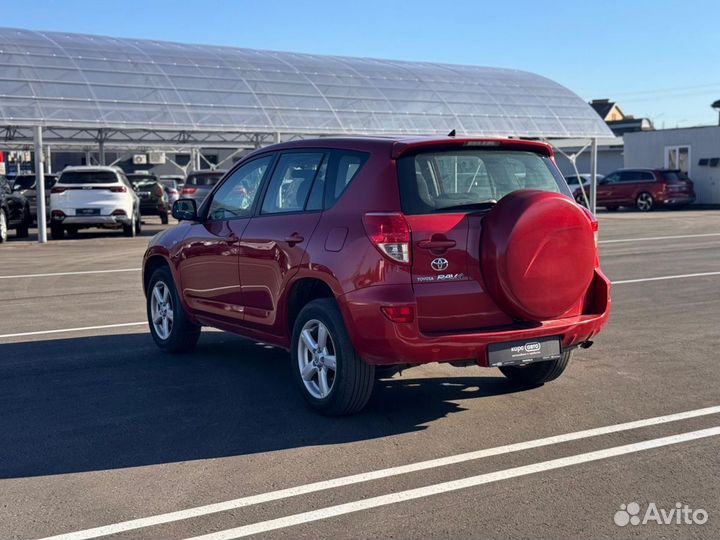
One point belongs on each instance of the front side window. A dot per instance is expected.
(234, 199)
(460, 178)
(291, 182)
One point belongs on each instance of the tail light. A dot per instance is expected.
(118, 189)
(596, 229)
(399, 314)
(390, 233)
(188, 190)
(119, 212)
(57, 214)
(58, 190)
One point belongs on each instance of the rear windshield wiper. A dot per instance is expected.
(481, 205)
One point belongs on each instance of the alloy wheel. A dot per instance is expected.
(644, 202)
(317, 359)
(161, 310)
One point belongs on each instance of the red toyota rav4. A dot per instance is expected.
(363, 255)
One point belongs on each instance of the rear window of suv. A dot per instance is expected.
(671, 176)
(460, 178)
(207, 179)
(88, 177)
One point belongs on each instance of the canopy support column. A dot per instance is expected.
(48, 159)
(593, 175)
(40, 184)
(101, 151)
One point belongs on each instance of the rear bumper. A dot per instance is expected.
(94, 221)
(380, 341)
(153, 208)
(675, 200)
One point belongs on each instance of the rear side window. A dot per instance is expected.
(637, 176)
(460, 178)
(291, 182)
(88, 177)
(24, 182)
(343, 168)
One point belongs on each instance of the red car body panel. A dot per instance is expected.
(238, 275)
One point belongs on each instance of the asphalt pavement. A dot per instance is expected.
(100, 429)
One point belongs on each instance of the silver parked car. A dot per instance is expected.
(172, 188)
(199, 183)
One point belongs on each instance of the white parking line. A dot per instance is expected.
(80, 329)
(649, 238)
(72, 273)
(661, 278)
(455, 485)
(374, 475)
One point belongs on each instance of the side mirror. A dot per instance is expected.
(185, 210)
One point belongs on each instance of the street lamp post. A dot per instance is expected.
(716, 106)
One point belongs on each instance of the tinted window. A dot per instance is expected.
(234, 199)
(315, 201)
(435, 181)
(291, 182)
(348, 167)
(636, 176)
(204, 179)
(610, 178)
(88, 177)
(24, 182)
(671, 176)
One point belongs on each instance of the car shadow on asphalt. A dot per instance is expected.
(98, 403)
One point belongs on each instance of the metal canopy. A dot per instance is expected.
(83, 88)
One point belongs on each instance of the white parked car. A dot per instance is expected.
(101, 197)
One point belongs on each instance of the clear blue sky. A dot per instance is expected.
(657, 58)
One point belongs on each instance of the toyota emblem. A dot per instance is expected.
(439, 264)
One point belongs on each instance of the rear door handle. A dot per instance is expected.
(293, 239)
(436, 244)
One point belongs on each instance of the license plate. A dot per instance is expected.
(523, 352)
(87, 212)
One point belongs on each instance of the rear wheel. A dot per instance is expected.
(130, 229)
(164, 218)
(644, 202)
(171, 328)
(3, 227)
(138, 224)
(331, 376)
(57, 231)
(23, 230)
(537, 373)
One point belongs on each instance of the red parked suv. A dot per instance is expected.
(644, 189)
(365, 255)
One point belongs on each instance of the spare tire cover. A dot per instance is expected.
(537, 254)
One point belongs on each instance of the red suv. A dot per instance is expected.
(644, 189)
(364, 255)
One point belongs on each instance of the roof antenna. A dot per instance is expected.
(451, 134)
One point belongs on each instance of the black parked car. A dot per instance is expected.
(24, 185)
(153, 197)
(14, 212)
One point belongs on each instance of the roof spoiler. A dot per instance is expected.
(403, 147)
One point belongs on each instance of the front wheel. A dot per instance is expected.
(537, 373)
(644, 202)
(331, 376)
(612, 208)
(170, 326)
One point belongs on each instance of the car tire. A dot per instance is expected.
(644, 202)
(57, 231)
(23, 230)
(164, 218)
(170, 327)
(3, 226)
(130, 229)
(347, 388)
(612, 208)
(537, 373)
(138, 224)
